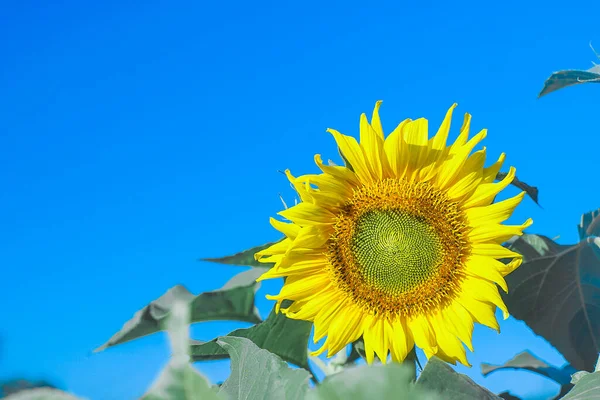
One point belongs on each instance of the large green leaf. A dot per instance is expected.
(392, 381)
(259, 374)
(245, 257)
(562, 79)
(44, 393)
(558, 294)
(234, 301)
(535, 246)
(529, 362)
(285, 337)
(180, 381)
(587, 388)
(17, 385)
(439, 376)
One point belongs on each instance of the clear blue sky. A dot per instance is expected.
(135, 138)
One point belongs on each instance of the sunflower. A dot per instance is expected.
(400, 246)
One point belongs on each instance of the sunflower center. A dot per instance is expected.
(399, 248)
(395, 251)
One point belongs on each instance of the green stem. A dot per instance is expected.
(411, 360)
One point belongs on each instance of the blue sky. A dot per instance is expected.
(136, 137)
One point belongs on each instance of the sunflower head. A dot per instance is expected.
(401, 245)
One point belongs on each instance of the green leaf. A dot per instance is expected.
(17, 385)
(181, 382)
(234, 301)
(42, 394)
(589, 225)
(558, 296)
(285, 337)
(562, 79)
(535, 246)
(245, 258)
(259, 374)
(529, 362)
(391, 381)
(439, 376)
(588, 387)
(508, 396)
(531, 191)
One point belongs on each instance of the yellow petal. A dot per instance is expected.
(344, 329)
(483, 313)
(302, 190)
(376, 121)
(299, 287)
(304, 267)
(276, 248)
(497, 233)
(327, 183)
(486, 192)
(372, 147)
(341, 173)
(494, 213)
(354, 154)
(463, 135)
(489, 174)
(309, 308)
(493, 250)
(289, 230)
(396, 150)
(460, 322)
(401, 341)
(483, 267)
(423, 334)
(484, 290)
(308, 214)
(438, 142)
(312, 237)
(376, 336)
(327, 315)
(449, 346)
(416, 138)
(454, 163)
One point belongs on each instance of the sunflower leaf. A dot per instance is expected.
(179, 380)
(529, 362)
(535, 246)
(557, 293)
(18, 385)
(508, 396)
(282, 336)
(392, 381)
(243, 258)
(531, 191)
(259, 374)
(41, 393)
(439, 376)
(587, 387)
(562, 79)
(234, 301)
